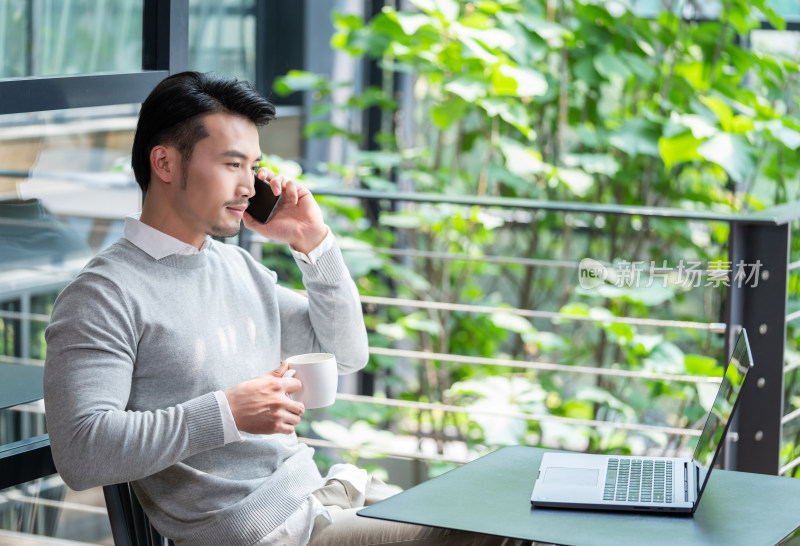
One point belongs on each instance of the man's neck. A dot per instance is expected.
(166, 221)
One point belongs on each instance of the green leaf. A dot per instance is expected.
(286, 167)
(665, 358)
(346, 21)
(448, 9)
(593, 163)
(509, 321)
(576, 180)
(699, 125)
(392, 331)
(508, 79)
(400, 220)
(578, 309)
(721, 109)
(521, 160)
(789, 137)
(678, 149)
(642, 68)
(702, 365)
(550, 32)
(492, 38)
(546, 341)
(412, 22)
(731, 152)
(449, 112)
(421, 323)
(510, 111)
(637, 137)
(696, 74)
(469, 89)
(772, 16)
(299, 80)
(378, 159)
(608, 65)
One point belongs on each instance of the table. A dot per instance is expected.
(492, 495)
(20, 384)
(28, 458)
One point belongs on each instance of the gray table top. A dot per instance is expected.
(492, 495)
(19, 384)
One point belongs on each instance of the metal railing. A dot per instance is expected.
(762, 236)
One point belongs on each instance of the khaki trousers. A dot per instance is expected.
(343, 501)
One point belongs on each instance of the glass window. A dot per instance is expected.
(52, 38)
(65, 189)
(222, 37)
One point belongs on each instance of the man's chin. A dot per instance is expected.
(225, 231)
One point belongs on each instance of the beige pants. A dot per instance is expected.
(343, 501)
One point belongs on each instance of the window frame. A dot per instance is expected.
(165, 51)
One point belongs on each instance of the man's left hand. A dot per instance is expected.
(297, 219)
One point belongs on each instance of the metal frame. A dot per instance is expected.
(26, 460)
(165, 50)
(759, 307)
(280, 45)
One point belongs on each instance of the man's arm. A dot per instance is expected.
(91, 349)
(330, 319)
(330, 315)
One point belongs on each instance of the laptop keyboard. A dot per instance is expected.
(638, 480)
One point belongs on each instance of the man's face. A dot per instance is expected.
(217, 180)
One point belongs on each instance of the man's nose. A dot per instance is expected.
(248, 188)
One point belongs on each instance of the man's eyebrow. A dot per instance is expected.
(239, 155)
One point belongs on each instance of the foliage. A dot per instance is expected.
(579, 101)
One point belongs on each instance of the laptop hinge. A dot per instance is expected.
(686, 481)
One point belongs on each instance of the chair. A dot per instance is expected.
(129, 524)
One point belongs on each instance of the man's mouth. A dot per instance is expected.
(237, 209)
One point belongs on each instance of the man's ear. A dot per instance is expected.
(163, 163)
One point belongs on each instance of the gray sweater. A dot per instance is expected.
(135, 349)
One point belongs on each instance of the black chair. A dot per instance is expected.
(129, 524)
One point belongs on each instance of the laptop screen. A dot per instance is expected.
(724, 403)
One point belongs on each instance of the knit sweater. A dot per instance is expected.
(136, 348)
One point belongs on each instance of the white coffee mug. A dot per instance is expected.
(317, 373)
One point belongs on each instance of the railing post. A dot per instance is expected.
(757, 295)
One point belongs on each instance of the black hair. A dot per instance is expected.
(172, 114)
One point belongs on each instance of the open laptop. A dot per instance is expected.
(653, 484)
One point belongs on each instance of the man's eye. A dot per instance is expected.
(234, 165)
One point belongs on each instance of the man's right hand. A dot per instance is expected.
(262, 405)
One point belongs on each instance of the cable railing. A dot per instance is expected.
(543, 366)
(774, 217)
(758, 238)
(713, 327)
(541, 417)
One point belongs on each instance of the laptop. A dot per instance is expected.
(652, 484)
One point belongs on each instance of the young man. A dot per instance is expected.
(165, 355)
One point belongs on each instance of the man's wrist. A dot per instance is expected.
(230, 430)
(309, 243)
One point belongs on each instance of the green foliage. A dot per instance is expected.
(571, 101)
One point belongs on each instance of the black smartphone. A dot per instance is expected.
(263, 204)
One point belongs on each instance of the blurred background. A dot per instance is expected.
(470, 157)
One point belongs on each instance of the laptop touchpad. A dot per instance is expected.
(571, 476)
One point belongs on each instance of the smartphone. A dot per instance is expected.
(263, 204)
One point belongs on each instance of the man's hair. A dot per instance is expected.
(173, 114)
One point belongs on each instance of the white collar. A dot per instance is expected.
(157, 243)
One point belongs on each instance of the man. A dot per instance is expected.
(165, 355)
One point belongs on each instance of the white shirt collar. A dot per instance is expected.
(157, 243)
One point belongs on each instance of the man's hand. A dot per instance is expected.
(262, 405)
(297, 219)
